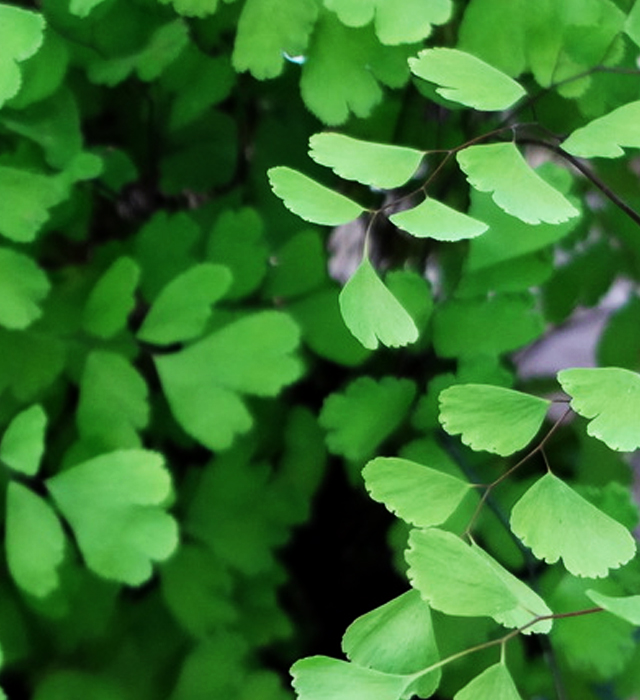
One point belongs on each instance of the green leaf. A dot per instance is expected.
(610, 398)
(23, 285)
(492, 418)
(22, 444)
(625, 607)
(555, 522)
(375, 164)
(397, 637)
(269, 29)
(310, 200)
(203, 382)
(372, 313)
(499, 168)
(632, 25)
(466, 79)
(415, 493)
(411, 25)
(298, 267)
(112, 299)
(21, 33)
(606, 136)
(362, 417)
(82, 8)
(453, 578)
(432, 219)
(114, 504)
(323, 678)
(183, 307)
(34, 540)
(494, 683)
(193, 8)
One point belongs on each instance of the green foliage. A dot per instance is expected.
(185, 363)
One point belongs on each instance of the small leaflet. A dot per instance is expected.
(433, 219)
(606, 136)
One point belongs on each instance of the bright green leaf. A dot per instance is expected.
(362, 417)
(453, 578)
(555, 522)
(466, 79)
(23, 285)
(183, 307)
(632, 25)
(204, 381)
(34, 541)
(375, 164)
(114, 504)
(411, 25)
(112, 299)
(626, 607)
(432, 219)
(22, 444)
(415, 493)
(494, 683)
(606, 136)
(372, 313)
(499, 168)
(310, 200)
(492, 418)
(610, 398)
(193, 8)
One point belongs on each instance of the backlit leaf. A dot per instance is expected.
(22, 444)
(492, 418)
(494, 683)
(499, 168)
(610, 398)
(34, 541)
(375, 164)
(114, 504)
(432, 219)
(420, 495)
(23, 285)
(372, 313)
(606, 136)
(556, 522)
(310, 200)
(453, 578)
(626, 607)
(466, 79)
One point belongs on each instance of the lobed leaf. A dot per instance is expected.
(492, 418)
(499, 168)
(466, 79)
(432, 219)
(610, 398)
(310, 200)
(555, 522)
(606, 136)
(22, 444)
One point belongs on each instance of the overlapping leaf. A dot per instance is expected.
(606, 136)
(625, 607)
(310, 200)
(466, 79)
(499, 168)
(556, 522)
(432, 219)
(23, 285)
(22, 444)
(372, 313)
(610, 398)
(492, 418)
(375, 164)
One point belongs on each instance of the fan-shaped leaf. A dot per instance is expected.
(23, 285)
(626, 607)
(494, 683)
(491, 418)
(557, 523)
(22, 444)
(310, 200)
(467, 79)
(432, 219)
(373, 164)
(610, 396)
(372, 313)
(606, 136)
(415, 493)
(499, 168)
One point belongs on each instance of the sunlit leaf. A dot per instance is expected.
(467, 79)
(310, 200)
(494, 683)
(376, 164)
(626, 607)
(22, 444)
(432, 219)
(610, 398)
(420, 495)
(372, 313)
(499, 168)
(555, 522)
(492, 418)
(606, 136)
(23, 285)
(115, 506)
(413, 24)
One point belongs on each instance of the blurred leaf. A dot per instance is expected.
(606, 136)
(625, 607)
(298, 267)
(22, 444)
(23, 285)
(432, 219)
